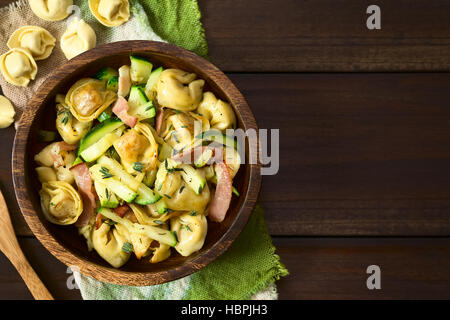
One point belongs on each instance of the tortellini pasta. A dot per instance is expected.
(185, 199)
(46, 174)
(191, 232)
(87, 98)
(178, 89)
(179, 129)
(110, 13)
(69, 127)
(7, 112)
(232, 160)
(56, 159)
(18, 67)
(51, 10)
(78, 38)
(109, 241)
(219, 113)
(60, 202)
(137, 145)
(38, 41)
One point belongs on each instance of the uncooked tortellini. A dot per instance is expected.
(87, 98)
(110, 13)
(60, 202)
(219, 113)
(7, 112)
(109, 243)
(38, 41)
(178, 89)
(78, 38)
(70, 129)
(51, 10)
(191, 232)
(18, 67)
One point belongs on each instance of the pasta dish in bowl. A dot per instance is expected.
(128, 166)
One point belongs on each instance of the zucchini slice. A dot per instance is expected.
(101, 173)
(107, 197)
(139, 104)
(140, 69)
(204, 158)
(117, 170)
(193, 178)
(113, 84)
(97, 132)
(99, 148)
(219, 137)
(159, 234)
(106, 74)
(146, 195)
(161, 206)
(105, 115)
(151, 83)
(164, 168)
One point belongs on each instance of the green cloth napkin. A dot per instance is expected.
(248, 269)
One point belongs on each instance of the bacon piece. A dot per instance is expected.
(124, 81)
(122, 210)
(120, 109)
(222, 198)
(190, 155)
(85, 188)
(159, 120)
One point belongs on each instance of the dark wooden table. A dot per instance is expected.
(365, 153)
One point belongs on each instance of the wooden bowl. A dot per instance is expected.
(63, 241)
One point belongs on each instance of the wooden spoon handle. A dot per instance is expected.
(12, 250)
(34, 284)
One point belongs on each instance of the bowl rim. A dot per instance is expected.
(109, 274)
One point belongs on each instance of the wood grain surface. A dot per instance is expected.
(327, 35)
(320, 268)
(370, 153)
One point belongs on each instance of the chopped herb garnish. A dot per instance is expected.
(138, 166)
(174, 136)
(158, 222)
(107, 194)
(66, 117)
(110, 222)
(167, 196)
(105, 173)
(235, 192)
(177, 111)
(52, 204)
(184, 127)
(200, 189)
(186, 227)
(127, 247)
(111, 152)
(193, 213)
(176, 236)
(181, 189)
